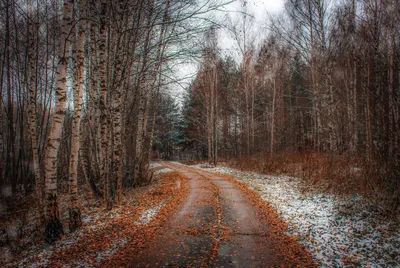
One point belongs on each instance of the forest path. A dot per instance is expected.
(217, 226)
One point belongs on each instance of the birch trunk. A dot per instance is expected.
(140, 131)
(209, 139)
(89, 158)
(54, 228)
(212, 113)
(215, 119)
(88, 118)
(273, 118)
(78, 50)
(153, 123)
(118, 161)
(32, 112)
(248, 115)
(94, 104)
(160, 56)
(103, 105)
(117, 118)
(143, 96)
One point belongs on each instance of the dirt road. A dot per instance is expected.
(218, 226)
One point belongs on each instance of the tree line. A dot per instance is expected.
(325, 79)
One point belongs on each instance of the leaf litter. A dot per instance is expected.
(105, 235)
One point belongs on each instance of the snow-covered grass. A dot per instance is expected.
(338, 231)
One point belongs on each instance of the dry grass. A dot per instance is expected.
(335, 174)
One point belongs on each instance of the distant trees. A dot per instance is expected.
(208, 85)
(325, 79)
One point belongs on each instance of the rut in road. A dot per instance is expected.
(218, 226)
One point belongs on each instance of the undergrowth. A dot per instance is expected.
(333, 174)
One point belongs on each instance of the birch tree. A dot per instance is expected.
(32, 109)
(54, 226)
(78, 54)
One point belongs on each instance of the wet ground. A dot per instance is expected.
(217, 226)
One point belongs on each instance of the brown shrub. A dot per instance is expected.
(332, 173)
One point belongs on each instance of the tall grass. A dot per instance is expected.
(333, 174)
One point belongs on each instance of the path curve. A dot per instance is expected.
(217, 226)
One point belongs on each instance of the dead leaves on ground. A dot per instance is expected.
(118, 238)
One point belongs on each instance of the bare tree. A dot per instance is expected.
(54, 227)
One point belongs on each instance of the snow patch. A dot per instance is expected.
(179, 163)
(162, 171)
(155, 165)
(149, 214)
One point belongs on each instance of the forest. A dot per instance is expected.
(90, 98)
(318, 97)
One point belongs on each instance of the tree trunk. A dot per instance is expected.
(104, 132)
(117, 121)
(140, 133)
(215, 119)
(144, 88)
(271, 151)
(54, 228)
(32, 112)
(78, 50)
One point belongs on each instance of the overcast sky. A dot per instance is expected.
(257, 8)
(228, 46)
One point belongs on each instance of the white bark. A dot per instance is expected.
(78, 53)
(104, 120)
(54, 228)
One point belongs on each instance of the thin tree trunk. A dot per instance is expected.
(78, 50)
(32, 112)
(104, 132)
(54, 228)
(273, 117)
(140, 131)
(209, 131)
(11, 160)
(215, 121)
(117, 128)
(143, 98)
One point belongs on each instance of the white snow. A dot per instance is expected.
(162, 171)
(149, 214)
(338, 231)
(155, 165)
